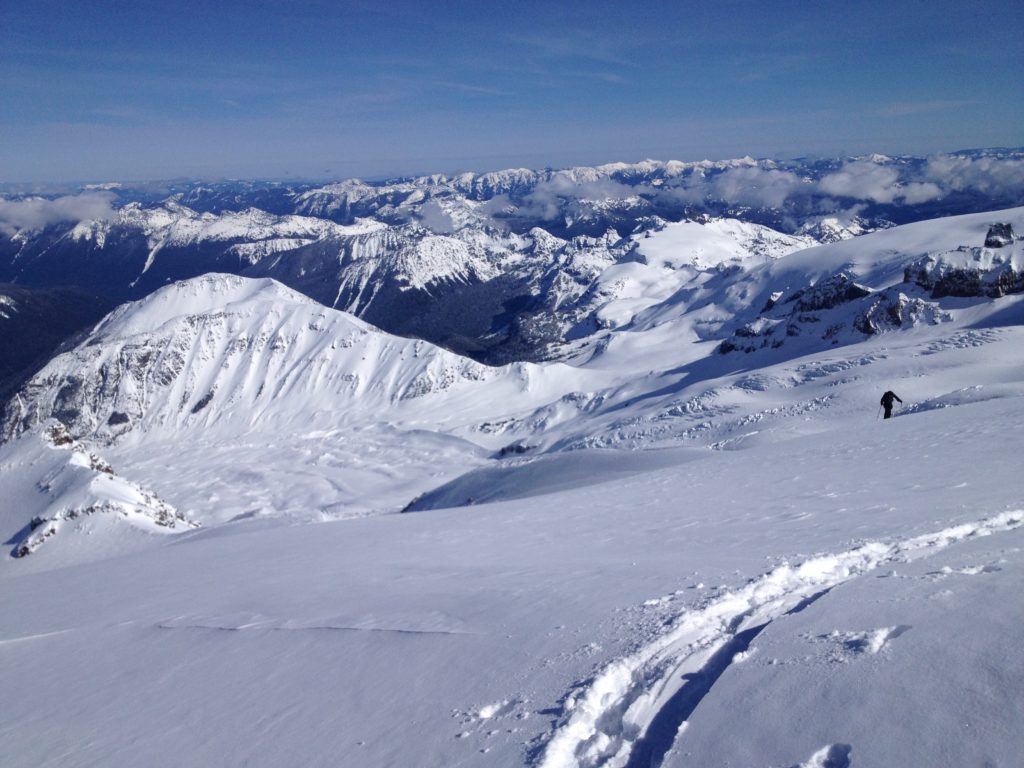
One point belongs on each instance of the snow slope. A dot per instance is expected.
(239, 399)
(556, 630)
(683, 555)
(239, 346)
(674, 256)
(55, 483)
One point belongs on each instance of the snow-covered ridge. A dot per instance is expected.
(78, 491)
(225, 349)
(332, 198)
(890, 279)
(712, 242)
(257, 350)
(467, 261)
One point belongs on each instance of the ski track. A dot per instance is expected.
(630, 713)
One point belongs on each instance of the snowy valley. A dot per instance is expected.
(519, 469)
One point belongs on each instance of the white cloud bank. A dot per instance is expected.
(865, 180)
(988, 175)
(749, 186)
(38, 212)
(546, 199)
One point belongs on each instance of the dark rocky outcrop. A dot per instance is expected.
(999, 235)
(807, 308)
(967, 273)
(837, 289)
(892, 309)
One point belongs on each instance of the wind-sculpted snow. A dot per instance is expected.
(630, 712)
(473, 629)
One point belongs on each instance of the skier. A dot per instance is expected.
(887, 399)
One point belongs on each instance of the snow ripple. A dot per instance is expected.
(617, 710)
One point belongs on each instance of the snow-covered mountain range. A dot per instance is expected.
(656, 496)
(671, 341)
(492, 265)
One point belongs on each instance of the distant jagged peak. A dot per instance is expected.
(833, 228)
(544, 242)
(644, 166)
(173, 223)
(331, 198)
(438, 258)
(473, 180)
(356, 186)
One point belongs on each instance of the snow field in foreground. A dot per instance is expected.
(616, 714)
(479, 636)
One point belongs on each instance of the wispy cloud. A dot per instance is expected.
(989, 175)
(548, 197)
(580, 46)
(611, 77)
(765, 68)
(467, 87)
(865, 180)
(747, 186)
(902, 108)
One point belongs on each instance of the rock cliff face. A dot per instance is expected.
(994, 270)
(970, 272)
(999, 235)
(831, 310)
(828, 294)
(892, 309)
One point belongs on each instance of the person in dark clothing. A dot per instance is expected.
(887, 399)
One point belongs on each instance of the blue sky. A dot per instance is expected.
(136, 90)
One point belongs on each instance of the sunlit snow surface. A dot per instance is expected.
(780, 579)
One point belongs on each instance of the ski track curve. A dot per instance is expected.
(629, 714)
